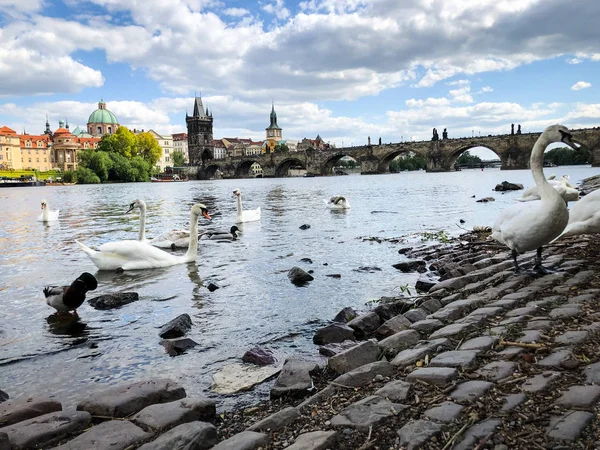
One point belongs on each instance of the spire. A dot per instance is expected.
(273, 117)
(48, 131)
(67, 124)
(198, 108)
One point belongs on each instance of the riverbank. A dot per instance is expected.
(486, 359)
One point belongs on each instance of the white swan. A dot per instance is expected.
(168, 239)
(231, 235)
(528, 226)
(47, 215)
(562, 186)
(133, 255)
(584, 216)
(249, 215)
(337, 202)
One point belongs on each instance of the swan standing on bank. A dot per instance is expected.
(528, 226)
(584, 216)
(232, 235)
(168, 239)
(134, 255)
(69, 298)
(337, 202)
(249, 215)
(47, 215)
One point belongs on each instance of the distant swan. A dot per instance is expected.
(168, 239)
(337, 202)
(249, 215)
(133, 255)
(584, 216)
(232, 235)
(47, 215)
(69, 298)
(562, 186)
(528, 226)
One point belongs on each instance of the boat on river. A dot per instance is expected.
(20, 182)
(167, 178)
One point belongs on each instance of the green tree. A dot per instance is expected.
(147, 147)
(408, 162)
(178, 158)
(140, 169)
(83, 175)
(467, 159)
(123, 142)
(566, 156)
(281, 148)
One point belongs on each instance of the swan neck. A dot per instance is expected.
(46, 214)
(142, 233)
(192, 251)
(239, 205)
(536, 163)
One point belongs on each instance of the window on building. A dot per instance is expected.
(29, 159)
(1, 157)
(109, 130)
(99, 130)
(167, 159)
(37, 160)
(27, 143)
(45, 159)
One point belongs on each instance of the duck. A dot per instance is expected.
(138, 255)
(523, 227)
(337, 202)
(47, 215)
(232, 235)
(584, 216)
(69, 298)
(249, 215)
(168, 239)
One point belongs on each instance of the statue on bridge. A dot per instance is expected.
(444, 134)
(512, 128)
(435, 137)
(379, 140)
(369, 138)
(519, 129)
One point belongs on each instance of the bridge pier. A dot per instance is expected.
(595, 159)
(515, 159)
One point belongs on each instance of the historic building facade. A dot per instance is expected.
(200, 134)
(102, 121)
(180, 144)
(64, 148)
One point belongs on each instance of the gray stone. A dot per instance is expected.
(392, 326)
(13, 411)
(392, 307)
(111, 435)
(366, 412)
(449, 313)
(538, 324)
(485, 312)
(417, 432)
(524, 311)
(584, 298)
(580, 397)
(435, 344)
(544, 302)
(365, 324)
(512, 400)
(320, 396)
(470, 391)
(123, 401)
(246, 440)
(569, 426)
(411, 266)
(359, 355)
(363, 375)
(315, 440)
(531, 336)
(565, 312)
(277, 421)
(427, 326)
(451, 330)
(345, 315)
(504, 303)
(462, 359)
(557, 359)
(399, 341)
(111, 301)
(334, 349)
(592, 373)
(478, 431)
(47, 430)
(160, 417)
(409, 356)
(176, 327)
(497, 370)
(4, 442)
(572, 337)
(430, 306)
(539, 382)
(450, 298)
(414, 315)
(260, 356)
(298, 276)
(511, 352)
(175, 347)
(3, 395)
(480, 343)
(333, 333)
(188, 436)
(445, 412)
(395, 391)
(438, 376)
(294, 379)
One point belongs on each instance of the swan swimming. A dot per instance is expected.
(528, 226)
(232, 235)
(69, 298)
(562, 186)
(249, 215)
(47, 215)
(584, 216)
(337, 202)
(168, 239)
(135, 255)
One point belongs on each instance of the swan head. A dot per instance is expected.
(44, 204)
(199, 209)
(237, 193)
(560, 133)
(137, 204)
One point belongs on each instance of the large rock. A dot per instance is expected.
(241, 377)
(400, 341)
(365, 324)
(294, 379)
(277, 421)
(188, 436)
(424, 284)
(24, 408)
(111, 435)
(314, 440)
(111, 301)
(176, 327)
(506, 186)
(299, 276)
(259, 356)
(366, 412)
(176, 347)
(363, 353)
(333, 333)
(4, 442)
(122, 401)
(336, 348)
(392, 326)
(3, 396)
(163, 416)
(411, 266)
(246, 440)
(345, 315)
(363, 375)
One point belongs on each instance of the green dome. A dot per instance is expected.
(103, 115)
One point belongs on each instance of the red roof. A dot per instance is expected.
(6, 130)
(62, 131)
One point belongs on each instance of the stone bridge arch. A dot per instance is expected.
(281, 170)
(452, 157)
(385, 160)
(210, 171)
(328, 165)
(242, 169)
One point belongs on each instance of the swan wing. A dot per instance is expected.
(250, 215)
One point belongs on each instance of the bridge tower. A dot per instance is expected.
(273, 132)
(200, 134)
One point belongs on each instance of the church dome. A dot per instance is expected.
(103, 115)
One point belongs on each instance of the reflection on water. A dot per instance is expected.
(254, 303)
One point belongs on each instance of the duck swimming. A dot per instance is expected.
(234, 233)
(69, 298)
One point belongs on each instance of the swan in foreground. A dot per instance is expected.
(69, 298)
(337, 202)
(168, 239)
(232, 235)
(249, 215)
(584, 216)
(562, 186)
(528, 226)
(134, 255)
(47, 215)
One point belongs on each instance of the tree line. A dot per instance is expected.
(566, 156)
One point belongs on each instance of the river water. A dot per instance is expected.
(256, 303)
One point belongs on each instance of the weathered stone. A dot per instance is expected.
(531, 336)
(392, 306)
(315, 440)
(445, 412)
(592, 373)
(246, 440)
(511, 401)
(111, 301)
(47, 430)
(506, 186)
(395, 391)
(451, 330)
(409, 356)
(320, 396)
(430, 306)
(414, 315)
(411, 266)
(450, 298)
(334, 349)
(122, 401)
(539, 382)
(399, 341)
(160, 417)
(4, 441)
(524, 311)
(572, 337)
(478, 431)
(584, 298)
(514, 320)
(176, 347)
(538, 325)
(424, 284)
(462, 359)
(565, 312)
(3, 396)
(294, 379)
(438, 376)
(417, 432)
(557, 359)
(276, 421)
(569, 426)
(345, 315)
(13, 411)
(470, 391)
(480, 343)
(365, 324)
(333, 333)
(427, 326)
(237, 377)
(111, 435)
(298, 276)
(435, 345)
(176, 327)
(259, 356)
(580, 397)
(497, 370)
(359, 355)
(545, 302)
(504, 303)
(188, 436)
(363, 375)
(449, 313)
(392, 326)
(366, 412)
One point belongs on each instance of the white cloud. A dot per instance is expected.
(278, 9)
(461, 95)
(581, 85)
(574, 61)
(458, 83)
(485, 89)
(236, 12)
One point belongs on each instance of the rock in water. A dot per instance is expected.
(111, 301)
(305, 226)
(345, 315)
(299, 276)
(424, 284)
(259, 356)
(486, 199)
(3, 396)
(176, 347)
(506, 186)
(176, 327)
(411, 266)
(212, 287)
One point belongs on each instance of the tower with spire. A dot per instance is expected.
(200, 134)
(273, 131)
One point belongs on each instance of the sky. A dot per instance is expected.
(343, 69)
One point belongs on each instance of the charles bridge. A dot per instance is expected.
(513, 151)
